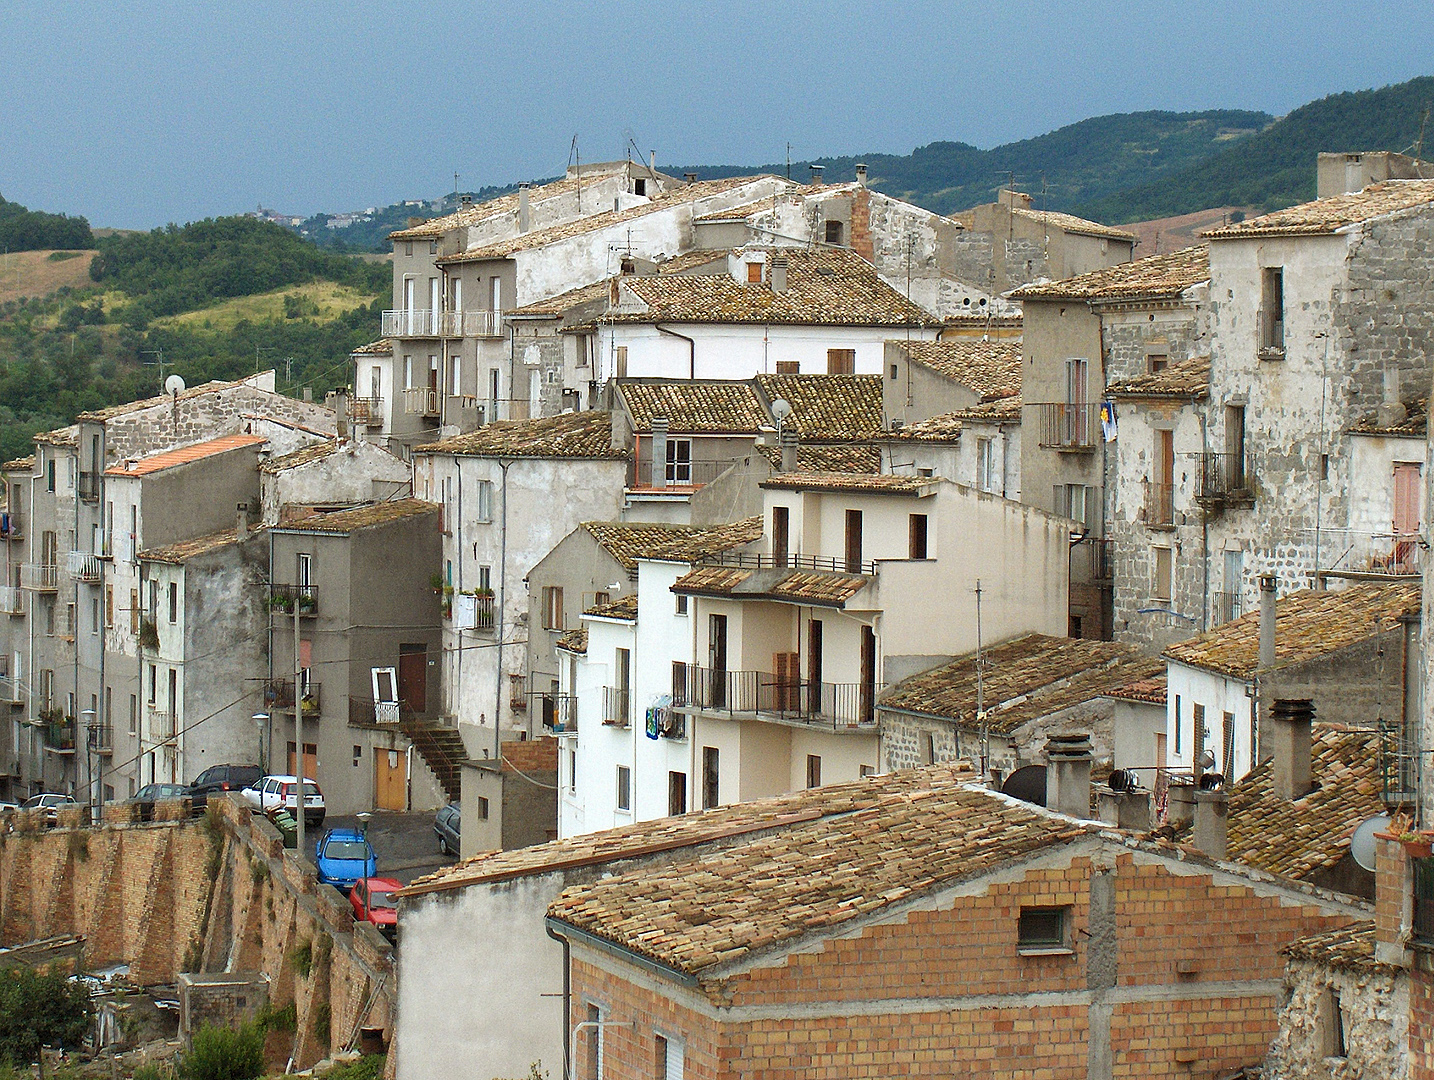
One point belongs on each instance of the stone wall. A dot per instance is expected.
(1372, 1005)
(904, 738)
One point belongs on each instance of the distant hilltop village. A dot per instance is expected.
(835, 638)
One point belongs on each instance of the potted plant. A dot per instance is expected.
(308, 603)
(282, 602)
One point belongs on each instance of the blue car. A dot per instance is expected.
(345, 857)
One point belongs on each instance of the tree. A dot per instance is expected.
(218, 1053)
(40, 1010)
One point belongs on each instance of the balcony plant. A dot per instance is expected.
(282, 602)
(308, 603)
(149, 635)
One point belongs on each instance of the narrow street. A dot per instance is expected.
(406, 844)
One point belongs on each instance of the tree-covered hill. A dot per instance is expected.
(35, 230)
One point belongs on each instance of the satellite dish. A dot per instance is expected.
(781, 409)
(1028, 784)
(174, 386)
(1361, 844)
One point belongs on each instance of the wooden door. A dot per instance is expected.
(1406, 514)
(853, 541)
(413, 678)
(781, 523)
(311, 761)
(390, 785)
(814, 665)
(717, 659)
(867, 702)
(786, 668)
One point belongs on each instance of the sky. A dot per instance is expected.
(150, 111)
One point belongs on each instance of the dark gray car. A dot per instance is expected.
(223, 778)
(448, 824)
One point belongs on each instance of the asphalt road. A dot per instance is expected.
(406, 844)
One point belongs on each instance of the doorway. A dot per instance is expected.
(413, 678)
(390, 786)
(717, 658)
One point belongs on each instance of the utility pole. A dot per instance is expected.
(981, 695)
(299, 725)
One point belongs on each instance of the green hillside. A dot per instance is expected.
(1276, 168)
(35, 230)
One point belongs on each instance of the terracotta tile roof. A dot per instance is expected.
(840, 482)
(182, 552)
(305, 456)
(26, 464)
(575, 641)
(1152, 278)
(1025, 678)
(1150, 691)
(1185, 379)
(715, 580)
(1332, 214)
(810, 877)
(185, 454)
(828, 588)
(65, 436)
(682, 839)
(542, 237)
(566, 301)
(828, 408)
(1415, 424)
(362, 517)
(713, 540)
(690, 260)
(694, 407)
(943, 428)
(1072, 224)
(381, 347)
(1000, 411)
(825, 287)
(568, 435)
(1298, 838)
(990, 368)
(842, 458)
(434, 228)
(976, 319)
(624, 607)
(817, 587)
(1350, 948)
(101, 415)
(1308, 625)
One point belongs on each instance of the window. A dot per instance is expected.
(455, 294)
(659, 1057)
(133, 714)
(1331, 1025)
(153, 678)
(853, 541)
(841, 361)
(408, 247)
(482, 808)
(833, 232)
(1227, 758)
(572, 766)
(134, 611)
(455, 383)
(173, 602)
(1178, 726)
(814, 770)
(928, 748)
(676, 793)
(988, 476)
(622, 361)
(485, 500)
(435, 296)
(639, 186)
(624, 788)
(1197, 720)
(552, 607)
(1075, 501)
(358, 755)
(94, 614)
(1043, 929)
(600, 598)
(681, 604)
(50, 475)
(1272, 310)
(916, 536)
(407, 372)
(710, 783)
(1162, 562)
(495, 294)
(47, 604)
(788, 367)
(679, 461)
(580, 341)
(1156, 362)
(594, 1041)
(754, 273)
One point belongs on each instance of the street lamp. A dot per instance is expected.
(260, 719)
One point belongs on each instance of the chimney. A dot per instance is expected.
(341, 414)
(861, 173)
(690, 177)
(652, 163)
(1290, 722)
(309, 394)
(659, 452)
(777, 274)
(817, 171)
(1180, 806)
(788, 444)
(1212, 809)
(1126, 809)
(465, 201)
(241, 523)
(1267, 621)
(523, 208)
(1068, 774)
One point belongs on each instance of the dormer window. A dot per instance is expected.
(754, 273)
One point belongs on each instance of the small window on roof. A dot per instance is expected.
(754, 273)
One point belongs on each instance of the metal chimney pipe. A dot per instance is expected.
(1267, 620)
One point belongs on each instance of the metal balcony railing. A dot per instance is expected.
(362, 711)
(279, 694)
(1069, 426)
(1358, 554)
(1399, 764)
(89, 486)
(102, 739)
(558, 712)
(283, 599)
(1423, 900)
(418, 322)
(763, 693)
(1226, 480)
(472, 612)
(366, 410)
(677, 474)
(471, 324)
(161, 724)
(39, 577)
(1225, 607)
(59, 735)
(11, 691)
(616, 706)
(1159, 505)
(86, 567)
(11, 600)
(420, 401)
(761, 561)
(12, 525)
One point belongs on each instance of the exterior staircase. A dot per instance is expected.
(441, 749)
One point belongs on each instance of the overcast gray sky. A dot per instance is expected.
(149, 111)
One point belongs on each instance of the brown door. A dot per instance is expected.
(390, 787)
(413, 678)
(814, 666)
(717, 660)
(781, 520)
(788, 678)
(867, 701)
(311, 761)
(853, 541)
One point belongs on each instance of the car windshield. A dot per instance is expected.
(379, 899)
(346, 849)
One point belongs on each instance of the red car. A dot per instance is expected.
(373, 902)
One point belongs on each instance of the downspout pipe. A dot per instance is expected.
(567, 999)
(691, 348)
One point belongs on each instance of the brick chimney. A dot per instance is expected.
(1393, 899)
(1290, 722)
(523, 208)
(1212, 810)
(1068, 774)
(861, 241)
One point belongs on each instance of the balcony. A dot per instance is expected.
(1225, 607)
(89, 486)
(363, 713)
(616, 706)
(102, 740)
(367, 411)
(1068, 426)
(415, 323)
(279, 694)
(760, 561)
(472, 612)
(1227, 481)
(11, 600)
(57, 732)
(682, 475)
(763, 694)
(1159, 505)
(1092, 560)
(1353, 555)
(85, 567)
(161, 724)
(420, 401)
(12, 525)
(284, 599)
(11, 692)
(1399, 764)
(558, 712)
(484, 324)
(40, 577)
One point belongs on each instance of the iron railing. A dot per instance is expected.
(761, 561)
(365, 712)
(366, 410)
(1226, 480)
(1398, 765)
(616, 706)
(283, 599)
(472, 612)
(39, 577)
(677, 474)
(1361, 553)
(1225, 607)
(471, 324)
(1069, 425)
(763, 693)
(420, 401)
(1159, 505)
(11, 600)
(102, 739)
(558, 712)
(161, 724)
(279, 694)
(86, 567)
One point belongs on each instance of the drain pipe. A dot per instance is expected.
(502, 605)
(567, 1000)
(691, 348)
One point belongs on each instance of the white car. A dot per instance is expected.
(271, 793)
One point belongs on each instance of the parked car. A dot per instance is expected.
(50, 803)
(448, 824)
(281, 793)
(223, 778)
(147, 796)
(344, 857)
(373, 902)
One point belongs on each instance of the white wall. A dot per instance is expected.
(1189, 687)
